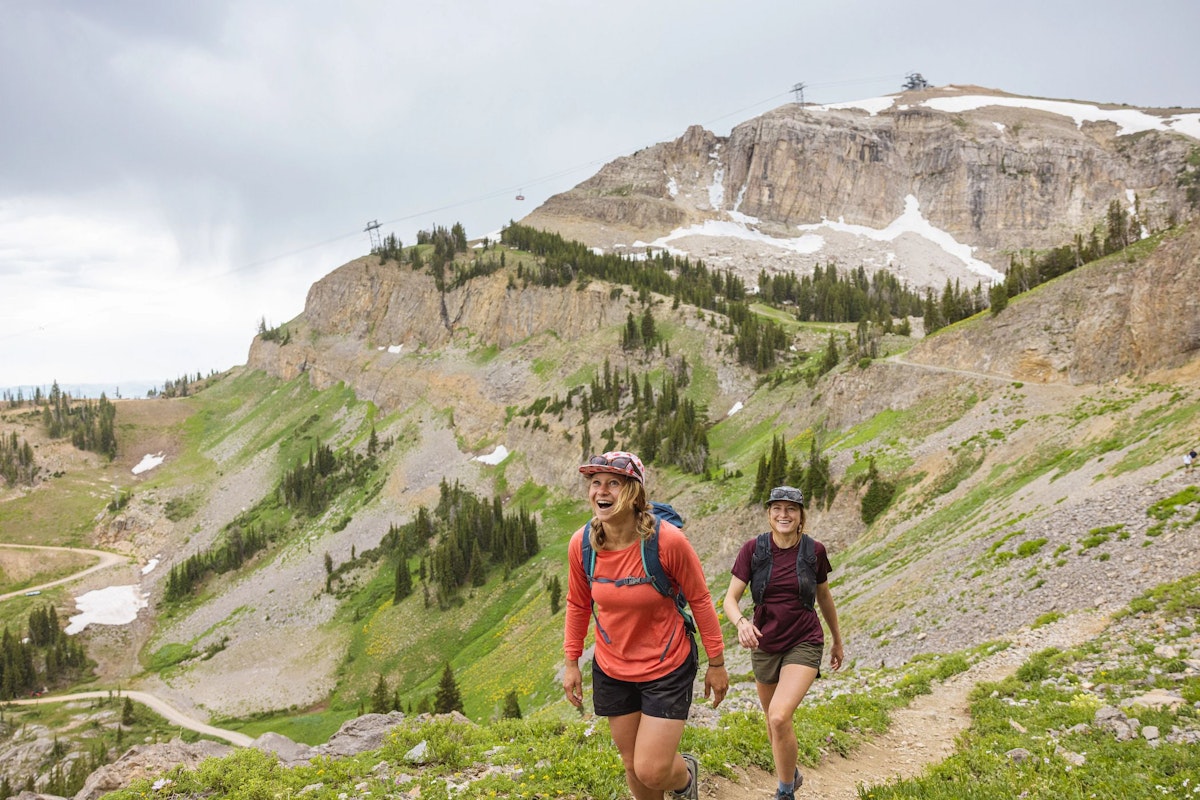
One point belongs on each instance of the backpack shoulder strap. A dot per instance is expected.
(659, 578)
(652, 564)
(588, 552)
(808, 550)
(760, 567)
(806, 570)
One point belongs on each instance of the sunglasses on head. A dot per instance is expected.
(618, 462)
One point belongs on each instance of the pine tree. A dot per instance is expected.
(998, 297)
(512, 706)
(404, 585)
(381, 700)
(649, 331)
(447, 698)
(831, 357)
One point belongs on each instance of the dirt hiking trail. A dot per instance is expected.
(923, 733)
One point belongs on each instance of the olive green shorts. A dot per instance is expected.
(767, 665)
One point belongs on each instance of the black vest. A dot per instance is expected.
(806, 569)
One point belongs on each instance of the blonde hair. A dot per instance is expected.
(632, 495)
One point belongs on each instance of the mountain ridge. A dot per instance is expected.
(998, 179)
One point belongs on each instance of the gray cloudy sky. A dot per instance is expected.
(170, 173)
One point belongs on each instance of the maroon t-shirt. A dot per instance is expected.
(783, 620)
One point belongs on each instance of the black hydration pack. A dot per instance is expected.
(806, 569)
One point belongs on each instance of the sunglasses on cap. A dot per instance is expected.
(623, 463)
(786, 494)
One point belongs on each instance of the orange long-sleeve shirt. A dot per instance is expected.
(646, 634)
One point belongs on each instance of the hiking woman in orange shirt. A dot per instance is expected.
(645, 658)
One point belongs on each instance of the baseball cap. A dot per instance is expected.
(617, 462)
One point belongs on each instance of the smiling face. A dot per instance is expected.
(609, 497)
(787, 519)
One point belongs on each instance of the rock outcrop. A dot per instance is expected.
(148, 761)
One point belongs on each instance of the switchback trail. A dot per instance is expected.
(921, 734)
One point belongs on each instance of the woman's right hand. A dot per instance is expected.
(573, 684)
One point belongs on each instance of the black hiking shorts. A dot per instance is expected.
(668, 697)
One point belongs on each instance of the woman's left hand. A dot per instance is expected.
(835, 656)
(716, 684)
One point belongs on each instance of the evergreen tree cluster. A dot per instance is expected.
(16, 460)
(814, 479)
(663, 427)
(660, 272)
(440, 247)
(91, 426)
(470, 537)
(16, 400)
(955, 304)
(827, 296)
(279, 333)
(640, 333)
(445, 244)
(240, 545)
(186, 384)
(459, 542)
(1024, 273)
(680, 278)
(390, 249)
(47, 656)
(478, 268)
(755, 340)
(312, 485)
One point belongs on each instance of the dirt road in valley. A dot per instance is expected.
(167, 712)
(105, 560)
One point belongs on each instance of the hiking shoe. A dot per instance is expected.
(692, 791)
(797, 782)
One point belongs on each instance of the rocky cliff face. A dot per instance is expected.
(380, 326)
(469, 354)
(1122, 318)
(997, 178)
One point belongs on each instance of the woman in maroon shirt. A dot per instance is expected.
(787, 571)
